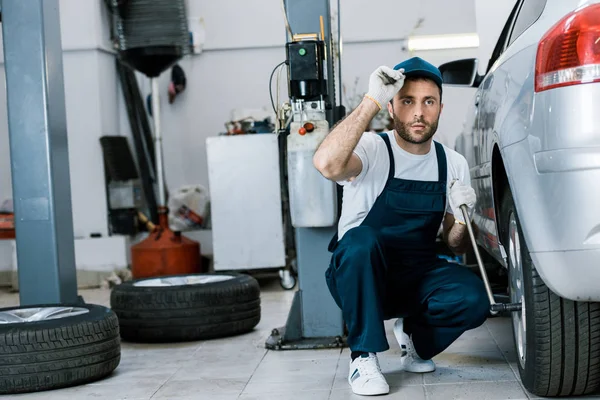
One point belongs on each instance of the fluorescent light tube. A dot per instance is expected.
(440, 42)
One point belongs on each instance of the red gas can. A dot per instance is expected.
(165, 252)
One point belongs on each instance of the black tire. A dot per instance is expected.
(58, 353)
(562, 356)
(188, 312)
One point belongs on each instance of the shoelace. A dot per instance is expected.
(410, 350)
(369, 365)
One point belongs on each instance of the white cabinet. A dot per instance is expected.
(245, 195)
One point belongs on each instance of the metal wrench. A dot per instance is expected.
(495, 308)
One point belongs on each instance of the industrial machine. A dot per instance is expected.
(314, 321)
(312, 198)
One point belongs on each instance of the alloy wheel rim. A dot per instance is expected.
(35, 314)
(182, 280)
(516, 288)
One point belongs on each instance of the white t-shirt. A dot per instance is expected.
(361, 193)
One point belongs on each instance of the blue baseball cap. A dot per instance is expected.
(416, 66)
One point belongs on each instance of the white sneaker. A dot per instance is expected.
(365, 376)
(410, 360)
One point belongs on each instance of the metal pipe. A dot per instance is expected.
(158, 143)
(129, 85)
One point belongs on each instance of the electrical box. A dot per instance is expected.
(307, 75)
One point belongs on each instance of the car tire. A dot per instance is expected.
(81, 346)
(180, 308)
(561, 352)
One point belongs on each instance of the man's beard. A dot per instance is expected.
(403, 129)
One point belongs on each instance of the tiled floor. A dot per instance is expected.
(480, 365)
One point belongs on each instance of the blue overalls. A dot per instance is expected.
(387, 267)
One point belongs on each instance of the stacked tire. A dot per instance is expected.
(191, 307)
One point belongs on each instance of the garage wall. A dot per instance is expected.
(251, 46)
(246, 41)
(91, 110)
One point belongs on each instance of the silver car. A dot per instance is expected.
(532, 141)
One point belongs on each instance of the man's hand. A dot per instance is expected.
(384, 83)
(458, 195)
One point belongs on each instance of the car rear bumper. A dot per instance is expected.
(557, 196)
(567, 160)
(573, 275)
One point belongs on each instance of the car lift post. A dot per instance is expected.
(39, 154)
(314, 321)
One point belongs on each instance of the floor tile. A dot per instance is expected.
(259, 386)
(123, 391)
(201, 396)
(233, 354)
(463, 345)
(289, 395)
(403, 378)
(176, 389)
(302, 354)
(473, 359)
(277, 371)
(501, 331)
(487, 373)
(222, 369)
(133, 376)
(149, 362)
(481, 332)
(404, 393)
(476, 391)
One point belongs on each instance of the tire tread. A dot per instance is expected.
(566, 335)
(34, 359)
(190, 312)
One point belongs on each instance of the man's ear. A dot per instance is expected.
(390, 107)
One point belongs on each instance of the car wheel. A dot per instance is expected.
(186, 307)
(46, 347)
(557, 340)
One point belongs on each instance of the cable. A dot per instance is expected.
(339, 48)
(271, 84)
(279, 86)
(287, 23)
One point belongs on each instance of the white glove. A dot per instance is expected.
(384, 83)
(460, 194)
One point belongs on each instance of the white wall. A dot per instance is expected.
(91, 111)
(242, 46)
(240, 52)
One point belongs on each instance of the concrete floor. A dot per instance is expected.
(480, 365)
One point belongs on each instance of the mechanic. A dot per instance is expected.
(398, 191)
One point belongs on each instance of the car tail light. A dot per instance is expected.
(569, 53)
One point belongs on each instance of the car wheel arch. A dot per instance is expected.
(499, 183)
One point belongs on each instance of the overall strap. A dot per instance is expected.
(442, 164)
(386, 139)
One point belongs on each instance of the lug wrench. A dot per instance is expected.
(495, 308)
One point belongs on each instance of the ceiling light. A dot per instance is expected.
(440, 42)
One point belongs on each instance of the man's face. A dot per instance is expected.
(416, 110)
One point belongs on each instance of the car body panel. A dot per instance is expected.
(549, 143)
